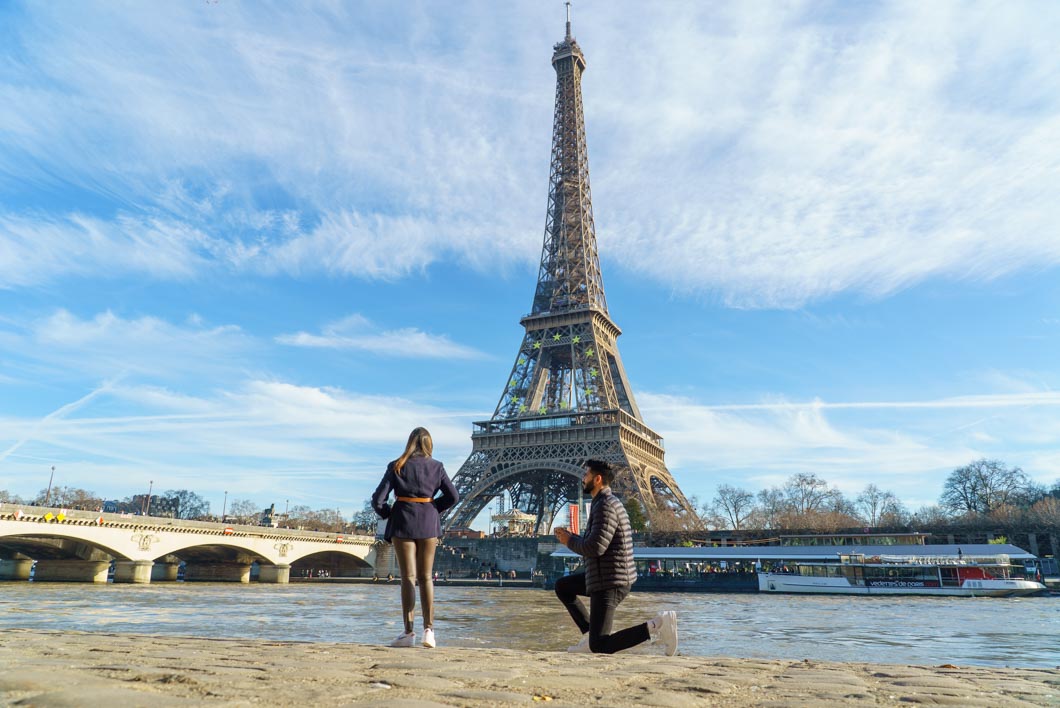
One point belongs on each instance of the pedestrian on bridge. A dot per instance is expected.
(413, 525)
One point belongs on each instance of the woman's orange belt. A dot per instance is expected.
(419, 500)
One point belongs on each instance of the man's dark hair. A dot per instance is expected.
(603, 469)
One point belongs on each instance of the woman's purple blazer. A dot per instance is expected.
(420, 477)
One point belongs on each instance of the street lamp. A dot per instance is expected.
(147, 506)
(286, 504)
(224, 508)
(48, 495)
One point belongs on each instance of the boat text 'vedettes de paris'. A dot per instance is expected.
(856, 574)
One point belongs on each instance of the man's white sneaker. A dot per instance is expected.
(666, 631)
(581, 647)
(428, 638)
(408, 639)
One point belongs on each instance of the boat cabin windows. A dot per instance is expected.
(821, 570)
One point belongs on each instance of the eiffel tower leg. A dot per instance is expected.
(468, 480)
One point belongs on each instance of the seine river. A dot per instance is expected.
(905, 630)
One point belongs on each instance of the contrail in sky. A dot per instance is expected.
(56, 415)
(1047, 398)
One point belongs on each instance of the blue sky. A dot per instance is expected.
(246, 247)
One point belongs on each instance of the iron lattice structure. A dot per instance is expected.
(567, 398)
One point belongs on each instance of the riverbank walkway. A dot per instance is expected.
(52, 669)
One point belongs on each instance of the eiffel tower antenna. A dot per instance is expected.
(567, 398)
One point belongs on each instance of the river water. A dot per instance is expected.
(900, 630)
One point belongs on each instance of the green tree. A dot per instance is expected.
(191, 505)
(637, 521)
(366, 518)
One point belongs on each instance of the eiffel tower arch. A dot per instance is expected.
(567, 398)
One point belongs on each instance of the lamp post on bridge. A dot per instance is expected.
(147, 505)
(286, 505)
(224, 507)
(48, 494)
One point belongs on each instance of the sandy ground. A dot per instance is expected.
(93, 669)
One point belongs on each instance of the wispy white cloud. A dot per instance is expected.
(36, 248)
(109, 345)
(264, 439)
(382, 146)
(50, 418)
(768, 154)
(276, 439)
(815, 151)
(907, 446)
(357, 332)
(1022, 400)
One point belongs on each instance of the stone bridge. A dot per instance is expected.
(60, 544)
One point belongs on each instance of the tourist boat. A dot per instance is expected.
(854, 574)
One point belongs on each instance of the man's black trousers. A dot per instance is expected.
(602, 606)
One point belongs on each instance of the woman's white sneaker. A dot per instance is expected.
(428, 638)
(408, 639)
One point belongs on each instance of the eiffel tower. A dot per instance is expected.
(568, 398)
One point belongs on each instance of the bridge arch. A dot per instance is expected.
(497, 475)
(335, 562)
(55, 545)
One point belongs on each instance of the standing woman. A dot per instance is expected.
(414, 526)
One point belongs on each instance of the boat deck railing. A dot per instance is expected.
(999, 559)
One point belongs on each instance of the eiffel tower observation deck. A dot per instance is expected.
(568, 398)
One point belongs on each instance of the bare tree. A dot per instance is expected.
(807, 493)
(331, 520)
(244, 511)
(664, 518)
(933, 515)
(771, 508)
(983, 486)
(894, 515)
(877, 505)
(711, 520)
(9, 498)
(1047, 512)
(316, 520)
(1006, 514)
(70, 498)
(734, 504)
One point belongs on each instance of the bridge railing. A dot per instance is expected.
(79, 517)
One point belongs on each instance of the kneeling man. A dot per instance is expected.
(607, 546)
